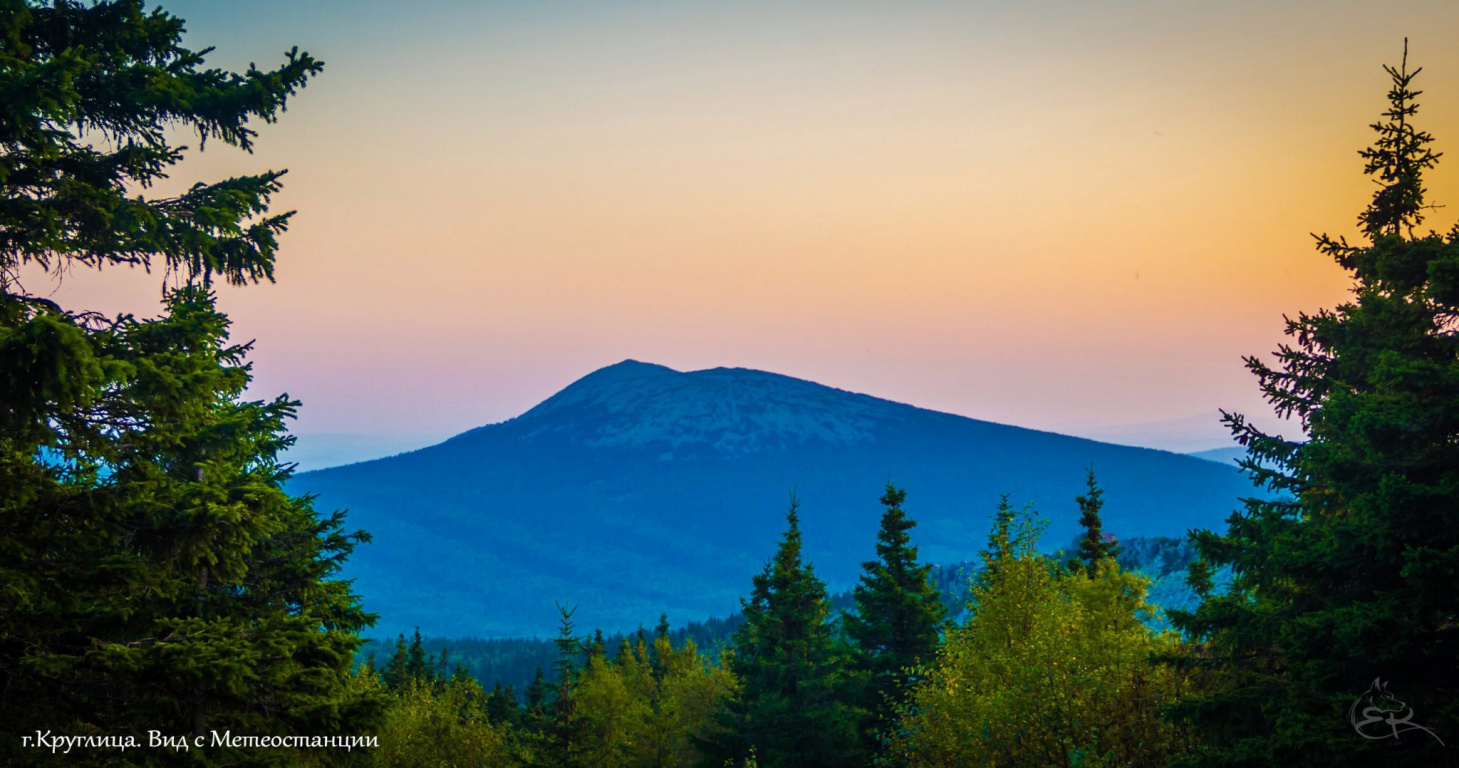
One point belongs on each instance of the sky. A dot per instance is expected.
(1063, 215)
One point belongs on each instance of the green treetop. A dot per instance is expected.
(785, 659)
(1093, 546)
(899, 614)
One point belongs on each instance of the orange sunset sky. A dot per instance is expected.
(1052, 214)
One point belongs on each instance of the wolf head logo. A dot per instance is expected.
(1378, 714)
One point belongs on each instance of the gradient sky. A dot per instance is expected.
(1053, 214)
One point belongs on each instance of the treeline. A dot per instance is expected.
(515, 661)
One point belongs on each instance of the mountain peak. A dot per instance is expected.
(631, 367)
(721, 410)
(627, 370)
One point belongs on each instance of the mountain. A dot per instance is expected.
(640, 489)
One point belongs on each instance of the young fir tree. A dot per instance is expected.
(1346, 572)
(1093, 545)
(565, 743)
(1000, 539)
(787, 711)
(899, 615)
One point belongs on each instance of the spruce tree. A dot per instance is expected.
(396, 674)
(1345, 571)
(787, 711)
(417, 663)
(1093, 546)
(157, 575)
(899, 615)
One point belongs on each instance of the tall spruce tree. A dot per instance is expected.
(156, 575)
(1346, 572)
(899, 614)
(787, 711)
(1093, 545)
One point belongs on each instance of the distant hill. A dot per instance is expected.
(1191, 434)
(1223, 455)
(640, 489)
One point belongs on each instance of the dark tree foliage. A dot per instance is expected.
(1093, 546)
(410, 665)
(788, 711)
(534, 704)
(153, 572)
(501, 706)
(156, 575)
(1349, 575)
(394, 675)
(88, 93)
(899, 615)
(655, 658)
